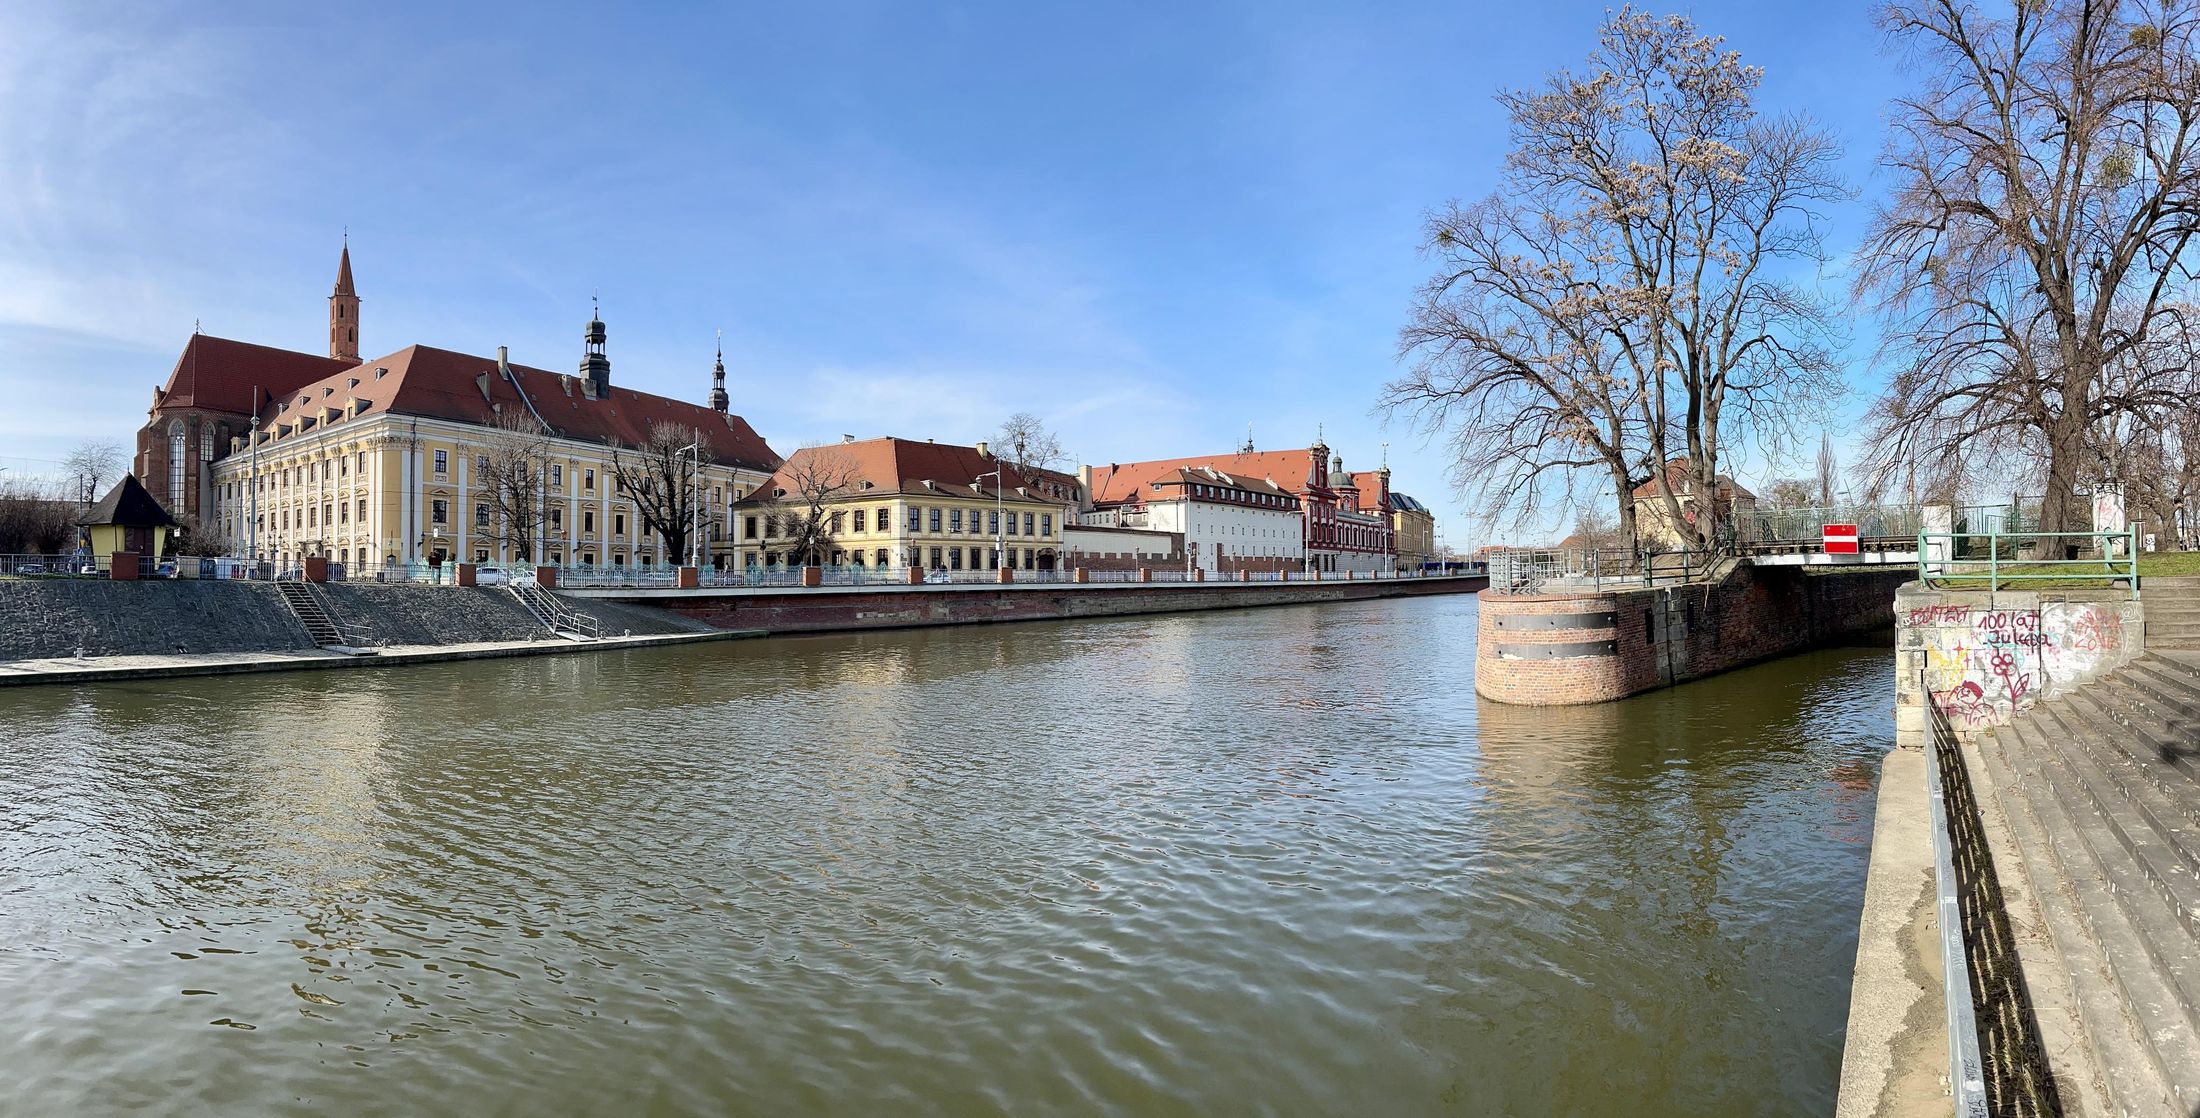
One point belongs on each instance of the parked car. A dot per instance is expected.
(31, 569)
(491, 576)
(937, 576)
(164, 570)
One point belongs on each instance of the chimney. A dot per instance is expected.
(847, 438)
(504, 364)
(982, 452)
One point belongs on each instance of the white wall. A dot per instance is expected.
(1235, 530)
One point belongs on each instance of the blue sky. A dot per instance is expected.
(1149, 224)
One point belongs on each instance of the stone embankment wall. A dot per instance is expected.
(49, 618)
(836, 610)
(1597, 646)
(1982, 657)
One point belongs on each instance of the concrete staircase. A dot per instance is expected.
(2173, 612)
(562, 620)
(2101, 797)
(320, 623)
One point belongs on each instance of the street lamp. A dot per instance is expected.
(1000, 536)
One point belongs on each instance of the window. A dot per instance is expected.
(837, 518)
(327, 470)
(1027, 524)
(879, 558)
(916, 518)
(312, 520)
(362, 460)
(588, 480)
(936, 560)
(481, 516)
(748, 527)
(859, 519)
(206, 444)
(557, 475)
(1027, 559)
(618, 524)
(588, 521)
(955, 521)
(935, 520)
(954, 558)
(362, 511)
(481, 463)
(442, 461)
(993, 522)
(856, 558)
(439, 510)
(883, 520)
(481, 555)
(327, 512)
(175, 464)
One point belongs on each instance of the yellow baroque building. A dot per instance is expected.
(890, 502)
(382, 464)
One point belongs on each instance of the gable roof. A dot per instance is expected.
(891, 465)
(128, 505)
(1399, 502)
(1127, 482)
(219, 374)
(1676, 473)
(436, 383)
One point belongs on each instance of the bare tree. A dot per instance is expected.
(1829, 472)
(2046, 198)
(203, 536)
(1624, 300)
(812, 480)
(35, 519)
(660, 476)
(95, 463)
(1025, 443)
(514, 456)
(1791, 493)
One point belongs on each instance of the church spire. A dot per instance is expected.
(718, 378)
(595, 363)
(343, 311)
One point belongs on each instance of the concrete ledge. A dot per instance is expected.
(1895, 1061)
(113, 668)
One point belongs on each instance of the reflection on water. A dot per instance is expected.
(1272, 861)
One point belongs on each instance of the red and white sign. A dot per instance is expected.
(1840, 539)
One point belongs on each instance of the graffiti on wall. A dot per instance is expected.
(1984, 665)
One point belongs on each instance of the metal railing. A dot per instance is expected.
(1805, 525)
(1962, 560)
(1533, 571)
(1996, 1064)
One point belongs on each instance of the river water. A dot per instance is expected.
(1276, 861)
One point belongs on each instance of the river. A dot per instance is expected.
(1275, 861)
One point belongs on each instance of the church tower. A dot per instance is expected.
(718, 380)
(343, 312)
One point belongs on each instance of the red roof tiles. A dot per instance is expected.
(891, 465)
(1130, 481)
(440, 384)
(219, 374)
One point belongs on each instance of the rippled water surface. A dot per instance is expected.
(1277, 861)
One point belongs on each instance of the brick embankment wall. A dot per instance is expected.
(1593, 647)
(813, 612)
(49, 618)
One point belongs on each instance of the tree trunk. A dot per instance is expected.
(2065, 450)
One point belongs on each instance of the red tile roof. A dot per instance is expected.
(891, 465)
(1676, 474)
(1129, 482)
(219, 374)
(440, 384)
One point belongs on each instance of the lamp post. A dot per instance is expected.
(1000, 537)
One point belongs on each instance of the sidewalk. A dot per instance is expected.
(99, 669)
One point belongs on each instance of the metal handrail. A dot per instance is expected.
(1966, 1071)
(1940, 570)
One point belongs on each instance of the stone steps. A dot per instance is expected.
(2172, 612)
(2103, 806)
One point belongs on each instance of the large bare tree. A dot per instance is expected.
(812, 479)
(514, 455)
(35, 518)
(2039, 229)
(1628, 296)
(1026, 444)
(660, 477)
(95, 463)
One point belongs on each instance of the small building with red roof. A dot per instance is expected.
(1296, 510)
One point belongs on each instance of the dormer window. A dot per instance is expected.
(352, 382)
(778, 492)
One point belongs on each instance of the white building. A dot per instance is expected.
(1229, 522)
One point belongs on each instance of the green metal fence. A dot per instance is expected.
(1992, 559)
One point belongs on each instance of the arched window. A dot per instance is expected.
(175, 464)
